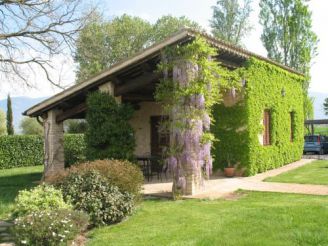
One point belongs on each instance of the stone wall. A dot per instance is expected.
(141, 125)
(53, 144)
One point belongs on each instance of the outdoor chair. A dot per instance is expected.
(157, 168)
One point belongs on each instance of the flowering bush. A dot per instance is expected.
(92, 193)
(123, 174)
(49, 228)
(42, 197)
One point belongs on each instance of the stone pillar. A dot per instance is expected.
(188, 161)
(109, 88)
(53, 144)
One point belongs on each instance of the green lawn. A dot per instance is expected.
(313, 173)
(255, 219)
(322, 130)
(13, 180)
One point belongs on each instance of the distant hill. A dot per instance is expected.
(318, 104)
(19, 104)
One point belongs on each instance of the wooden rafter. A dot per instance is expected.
(138, 97)
(67, 114)
(136, 83)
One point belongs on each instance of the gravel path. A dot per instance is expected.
(221, 187)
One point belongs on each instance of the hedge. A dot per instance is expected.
(74, 147)
(27, 150)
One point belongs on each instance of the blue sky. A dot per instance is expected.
(199, 11)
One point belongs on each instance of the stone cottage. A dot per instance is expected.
(259, 128)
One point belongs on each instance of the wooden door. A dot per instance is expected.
(158, 139)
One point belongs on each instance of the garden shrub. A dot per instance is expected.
(123, 174)
(27, 150)
(49, 228)
(74, 149)
(109, 134)
(92, 193)
(41, 198)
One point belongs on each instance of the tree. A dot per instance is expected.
(75, 126)
(30, 126)
(10, 126)
(287, 33)
(325, 106)
(109, 134)
(289, 39)
(230, 20)
(101, 43)
(168, 24)
(308, 107)
(33, 31)
(3, 128)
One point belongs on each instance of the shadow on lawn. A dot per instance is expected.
(20, 180)
(12, 184)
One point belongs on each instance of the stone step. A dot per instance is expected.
(5, 223)
(2, 229)
(5, 237)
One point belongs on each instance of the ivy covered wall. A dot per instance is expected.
(230, 130)
(238, 127)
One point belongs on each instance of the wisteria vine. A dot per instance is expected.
(193, 82)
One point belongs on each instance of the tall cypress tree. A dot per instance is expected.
(10, 126)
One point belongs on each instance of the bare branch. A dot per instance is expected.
(33, 31)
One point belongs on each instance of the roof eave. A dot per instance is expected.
(53, 101)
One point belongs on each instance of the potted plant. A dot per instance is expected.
(229, 170)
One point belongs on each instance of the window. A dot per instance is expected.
(267, 130)
(292, 126)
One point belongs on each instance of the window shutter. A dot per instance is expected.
(266, 124)
(292, 130)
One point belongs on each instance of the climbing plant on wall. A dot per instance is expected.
(109, 134)
(240, 126)
(192, 84)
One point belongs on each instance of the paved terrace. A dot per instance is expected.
(222, 187)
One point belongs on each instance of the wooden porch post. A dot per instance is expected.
(53, 144)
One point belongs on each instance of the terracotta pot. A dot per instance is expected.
(229, 171)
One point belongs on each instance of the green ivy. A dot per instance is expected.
(238, 127)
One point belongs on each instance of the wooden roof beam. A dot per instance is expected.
(70, 113)
(136, 83)
(138, 97)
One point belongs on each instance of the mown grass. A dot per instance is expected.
(14, 180)
(255, 219)
(322, 130)
(313, 173)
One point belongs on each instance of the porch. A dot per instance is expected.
(221, 187)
